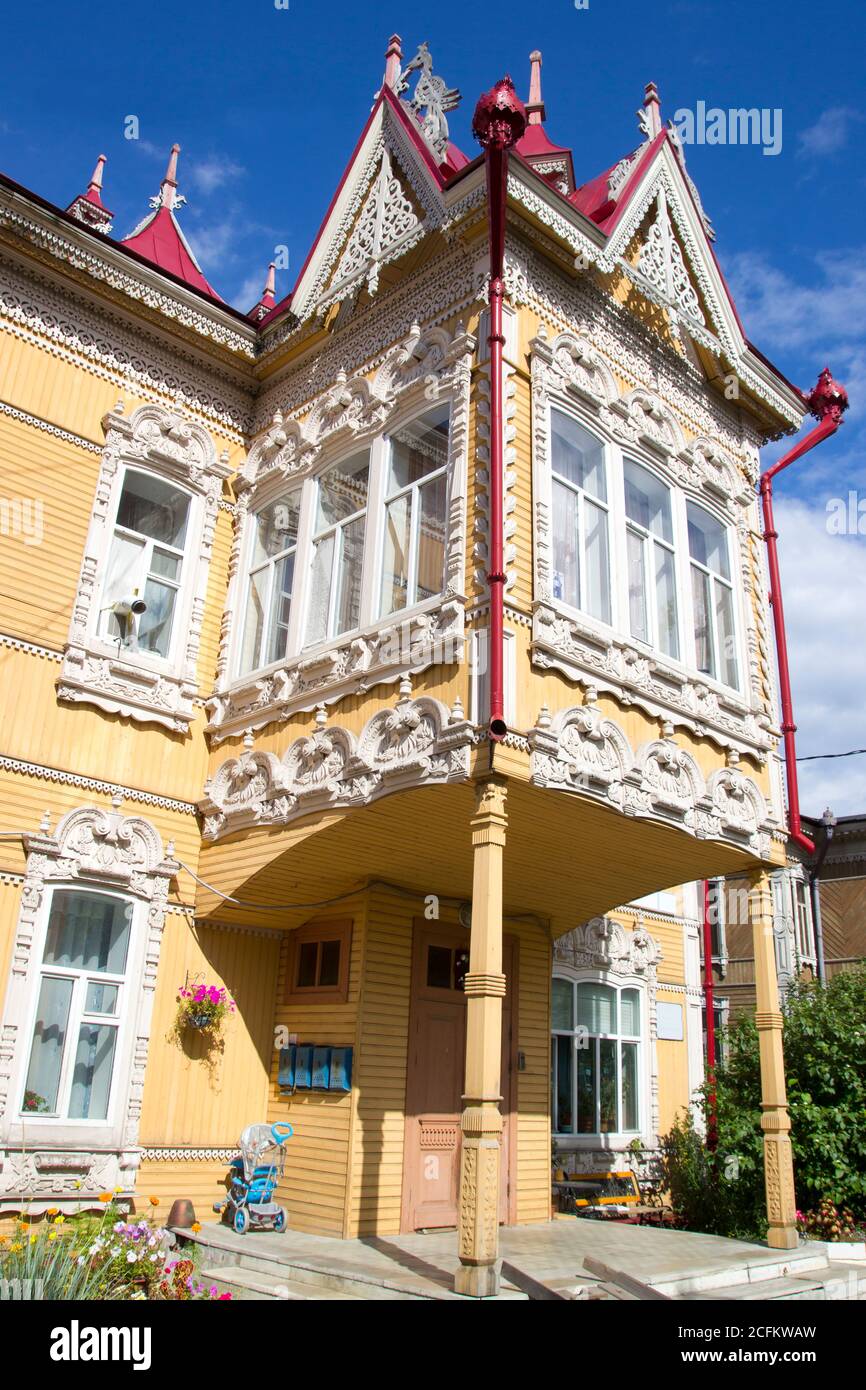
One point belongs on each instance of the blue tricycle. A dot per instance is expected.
(253, 1177)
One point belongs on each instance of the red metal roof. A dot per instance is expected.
(160, 240)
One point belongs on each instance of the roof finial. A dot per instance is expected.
(535, 105)
(167, 196)
(88, 207)
(393, 62)
(650, 114)
(268, 299)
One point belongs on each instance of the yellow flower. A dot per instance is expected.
(15, 1248)
(154, 1201)
(117, 1190)
(3, 1240)
(51, 1211)
(60, 1220)
(52, 1235)
(196, 1226)
(33, 1239)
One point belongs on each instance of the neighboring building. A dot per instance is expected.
(841, 884)
(279, 775)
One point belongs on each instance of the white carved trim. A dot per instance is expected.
(74, 779)
(580, 751)
(104, 850)
(418, 742)
(25, 418)
(94, 671)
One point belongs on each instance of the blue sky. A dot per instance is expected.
(267, 104)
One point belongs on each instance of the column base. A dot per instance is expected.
(783, 1238)
(477, 1281)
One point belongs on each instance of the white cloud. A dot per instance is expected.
(785, 312)
(830, 132)
(824, 589)
(207, 175)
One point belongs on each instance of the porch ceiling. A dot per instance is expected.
(566, 858)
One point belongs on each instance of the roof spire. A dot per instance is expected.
(167, 196)
(650, 114)
(88, 207)
(393, 62)
(535, 105)
(268, 299)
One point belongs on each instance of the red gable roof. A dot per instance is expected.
(160, 240)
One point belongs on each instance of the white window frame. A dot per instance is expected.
(648, 539)
(736, 599)
(129, 647)
(273, 498)
(78, 1015)
(614, 1139)
(412, 490)
(607, 506)
(336, 530)
(804, 930)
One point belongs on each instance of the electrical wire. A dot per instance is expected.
(814, 757)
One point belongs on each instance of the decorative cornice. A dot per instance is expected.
(74, 779)
(605, 944)
(181, 1154)
(27, 419)
(18, 644)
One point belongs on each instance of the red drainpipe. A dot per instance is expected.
(712, 1127)
(499, 121)
(827, 402)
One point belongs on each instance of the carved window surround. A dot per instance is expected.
(580, 750)
(429, 365)
(95, 671)
(570, 372)
(99, 850)
(605, 951)
(419, 742)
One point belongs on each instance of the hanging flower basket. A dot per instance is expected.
(203, 1007)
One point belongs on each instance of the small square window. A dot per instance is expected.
(318, 963)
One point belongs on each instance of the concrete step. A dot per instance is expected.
(837, 1282)
(245, 1285)
(715, 1282)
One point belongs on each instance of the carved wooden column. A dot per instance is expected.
(778, 1163)
(481, 1121)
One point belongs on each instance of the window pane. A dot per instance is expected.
(281, 607)
(165, 565)
(666, 600)
(91, 1078)
(276, 527)
(586, 1088)
(100, 998)
(46, 1056)
(608, 1085)
(708, 542)
(418, 448)
(637, 610)
(725, 633)
(647, 500)
(703, 635)
(122, 576)
(395, 561)
(630, 1119)
(343, 490)
(88, 931)
(564, 1118)
(320, 590)
(308, 956)
(431, 538)
(597, 567)
(439, 967)
(629, 1004)
(577, 455)
(596, 1008)
(254, 623)
(153, 508)
(563, 1004)
(154, 626)
(329, 964)
(352, 560)
(566, 573)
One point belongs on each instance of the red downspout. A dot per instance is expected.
(827, 402)
(709, 1007)
(499, 121)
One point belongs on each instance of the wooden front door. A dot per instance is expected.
(435, 1079)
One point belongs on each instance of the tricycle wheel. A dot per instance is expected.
(280, 1220)
(241, 1221)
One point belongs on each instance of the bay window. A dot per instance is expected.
(596, 1047)
(416, 512)
(651, 566)
(270, 583)
(74, 1043)
(579, 518)
(146, 562)
(712, 596)
(334, 605)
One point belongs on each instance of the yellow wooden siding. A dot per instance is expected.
(186, 1101)
(533, 1084)
(317, 1156)
(200, 1180)
(673, 1068)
